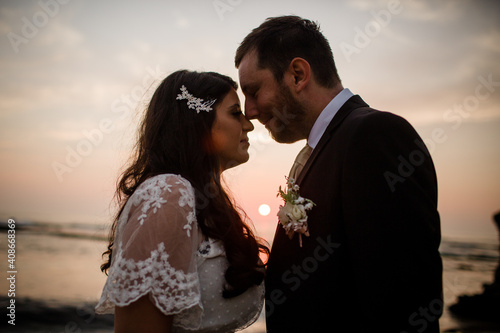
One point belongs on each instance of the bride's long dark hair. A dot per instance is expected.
(175, 139)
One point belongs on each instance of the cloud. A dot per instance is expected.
(58, 34)
(180, 20)
(439, 11)
(489, 41)
(92, 57)
(442, 11)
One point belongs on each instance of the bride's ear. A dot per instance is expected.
(299, 74)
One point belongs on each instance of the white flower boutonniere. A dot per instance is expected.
(293, 215)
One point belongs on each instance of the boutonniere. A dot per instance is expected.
(293, 215)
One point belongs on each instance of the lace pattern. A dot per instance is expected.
(157, 239)
(161, 252)
(170, 289)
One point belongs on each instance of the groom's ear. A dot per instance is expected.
(299, 73)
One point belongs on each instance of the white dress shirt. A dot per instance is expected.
(326, 117)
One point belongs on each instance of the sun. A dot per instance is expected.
(264, 210)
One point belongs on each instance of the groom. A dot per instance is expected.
(371, 260)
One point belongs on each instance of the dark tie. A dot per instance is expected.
(300, 161)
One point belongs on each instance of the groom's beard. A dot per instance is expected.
(289, 117)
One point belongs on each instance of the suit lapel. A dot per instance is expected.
(353, 103)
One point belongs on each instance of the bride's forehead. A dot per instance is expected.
(231, 99)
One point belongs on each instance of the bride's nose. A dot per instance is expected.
(247, 125)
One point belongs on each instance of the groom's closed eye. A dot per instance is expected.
(249, 91)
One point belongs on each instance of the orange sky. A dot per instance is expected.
(74, 76)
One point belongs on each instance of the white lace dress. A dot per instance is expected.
(161, 252)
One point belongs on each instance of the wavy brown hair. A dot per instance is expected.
(175, 139)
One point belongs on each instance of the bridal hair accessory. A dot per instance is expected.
(293, 215)
(195, 103)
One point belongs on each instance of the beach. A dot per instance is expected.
(58, 281)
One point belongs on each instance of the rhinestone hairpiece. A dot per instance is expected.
(195, 103)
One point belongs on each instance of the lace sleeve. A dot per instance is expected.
(155, 254)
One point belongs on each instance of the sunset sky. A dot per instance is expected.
(75, 76)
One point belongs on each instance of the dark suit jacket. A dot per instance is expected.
(371, 262)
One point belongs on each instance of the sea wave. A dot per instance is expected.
(73, 230)
(450, 248)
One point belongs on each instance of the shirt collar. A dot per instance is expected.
(326, 117)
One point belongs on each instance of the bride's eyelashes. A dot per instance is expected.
(236, 111)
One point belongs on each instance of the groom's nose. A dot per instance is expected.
(251, 111)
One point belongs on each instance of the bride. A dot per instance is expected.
(180, 256)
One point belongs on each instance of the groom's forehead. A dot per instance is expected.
(251, 81)
(249, 63)
(251, 75)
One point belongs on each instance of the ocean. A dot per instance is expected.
(57, 282)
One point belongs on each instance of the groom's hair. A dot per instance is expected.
(280, 39)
